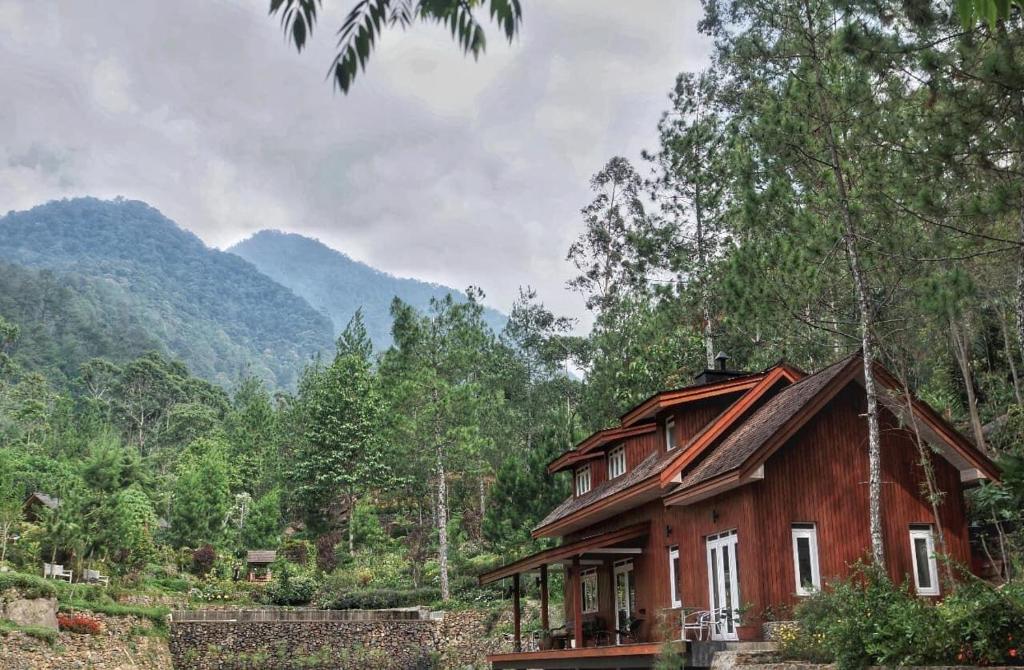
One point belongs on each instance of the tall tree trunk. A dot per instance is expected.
(1011, 357)
(442, 505)
(865, 314)
(1020, 273)
(961, 349)
(351, 525)
(705, 294)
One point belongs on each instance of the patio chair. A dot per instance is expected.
(696, 620)
(94, 577)
(56, 571)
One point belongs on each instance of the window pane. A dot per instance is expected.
(803, 555)
(924, 575)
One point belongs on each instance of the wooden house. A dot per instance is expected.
(720, 503)
(35, 503)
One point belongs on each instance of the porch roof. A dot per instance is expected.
(568, 550)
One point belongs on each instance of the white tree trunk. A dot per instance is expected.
(442, 523)
(961, 349)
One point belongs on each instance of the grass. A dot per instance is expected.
(47, 635)
(31, 586)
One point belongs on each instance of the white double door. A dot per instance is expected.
(723, 585)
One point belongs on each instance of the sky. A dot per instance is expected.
(434, 166)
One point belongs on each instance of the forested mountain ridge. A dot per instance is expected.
(213, 310)
(337, 285)
(65, 320)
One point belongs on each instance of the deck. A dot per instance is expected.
(619, 656)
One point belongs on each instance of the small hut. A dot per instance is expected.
(258, 564)
(35, 502)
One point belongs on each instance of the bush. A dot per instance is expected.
(30, 586)
(868, 620)
(376, 599)
(203, 559)
(299, 552)
(291, 586)
(82, 624)
(326, 559)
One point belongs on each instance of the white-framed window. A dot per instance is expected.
(805, 558)
(922, 552)
(588, 590)
(673, 575)
(670, 434)
(617, 462)
(582, 480)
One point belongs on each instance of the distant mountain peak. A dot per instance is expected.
(337, 285)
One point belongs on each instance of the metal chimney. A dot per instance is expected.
(720, 361)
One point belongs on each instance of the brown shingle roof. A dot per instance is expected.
(261, 556)
(733, 452)
(648, 467)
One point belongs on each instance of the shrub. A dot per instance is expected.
(868, 620)
(375, 599)
(299, 552)
(82, 624)
(203, 559)
(291, 585)
(30, 586)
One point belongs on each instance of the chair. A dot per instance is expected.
(56, 571)
(94, 577)
(697, 620)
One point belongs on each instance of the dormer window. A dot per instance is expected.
(670, 434)
(582, 480)
(616, 462)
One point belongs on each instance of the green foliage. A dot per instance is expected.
(40, 633)
(129, 523)
(868, 620)
(368, 599)
(366, 21)
(262, 526)
(201, 495)
(133, 280)
(30, 586)
(291, 584)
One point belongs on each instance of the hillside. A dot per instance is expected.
(64, 320)
(211, 309)
(338, 285)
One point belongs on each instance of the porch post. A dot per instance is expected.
(577, 603)
(516, 615)
(544, 597)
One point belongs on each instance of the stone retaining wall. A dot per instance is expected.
(339, 640)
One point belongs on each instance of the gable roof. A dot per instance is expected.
(585, 449)
(665, 399)
(259, 556)
(46, 500)
(741, 453)
(780, 374)
(644, 471)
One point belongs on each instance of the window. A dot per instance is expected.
(616, 462)
(588, 590)
(922, 551)
(583, 480)
(673, 575)
(670, 434)
(805, 558)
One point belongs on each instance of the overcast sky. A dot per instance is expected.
(435, 166)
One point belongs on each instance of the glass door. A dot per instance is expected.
(723, 585)
(625, 598)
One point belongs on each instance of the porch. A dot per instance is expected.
(603, 618)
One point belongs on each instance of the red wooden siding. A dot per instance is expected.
(819, 476)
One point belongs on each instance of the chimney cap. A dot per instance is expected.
(720, 360)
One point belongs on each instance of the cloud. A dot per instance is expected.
(435, 166)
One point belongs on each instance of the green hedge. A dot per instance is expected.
(30, 586)
(376, 599)
(158, 615)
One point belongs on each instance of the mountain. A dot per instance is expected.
(63, 321)
(213, 310)
(338, 285)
